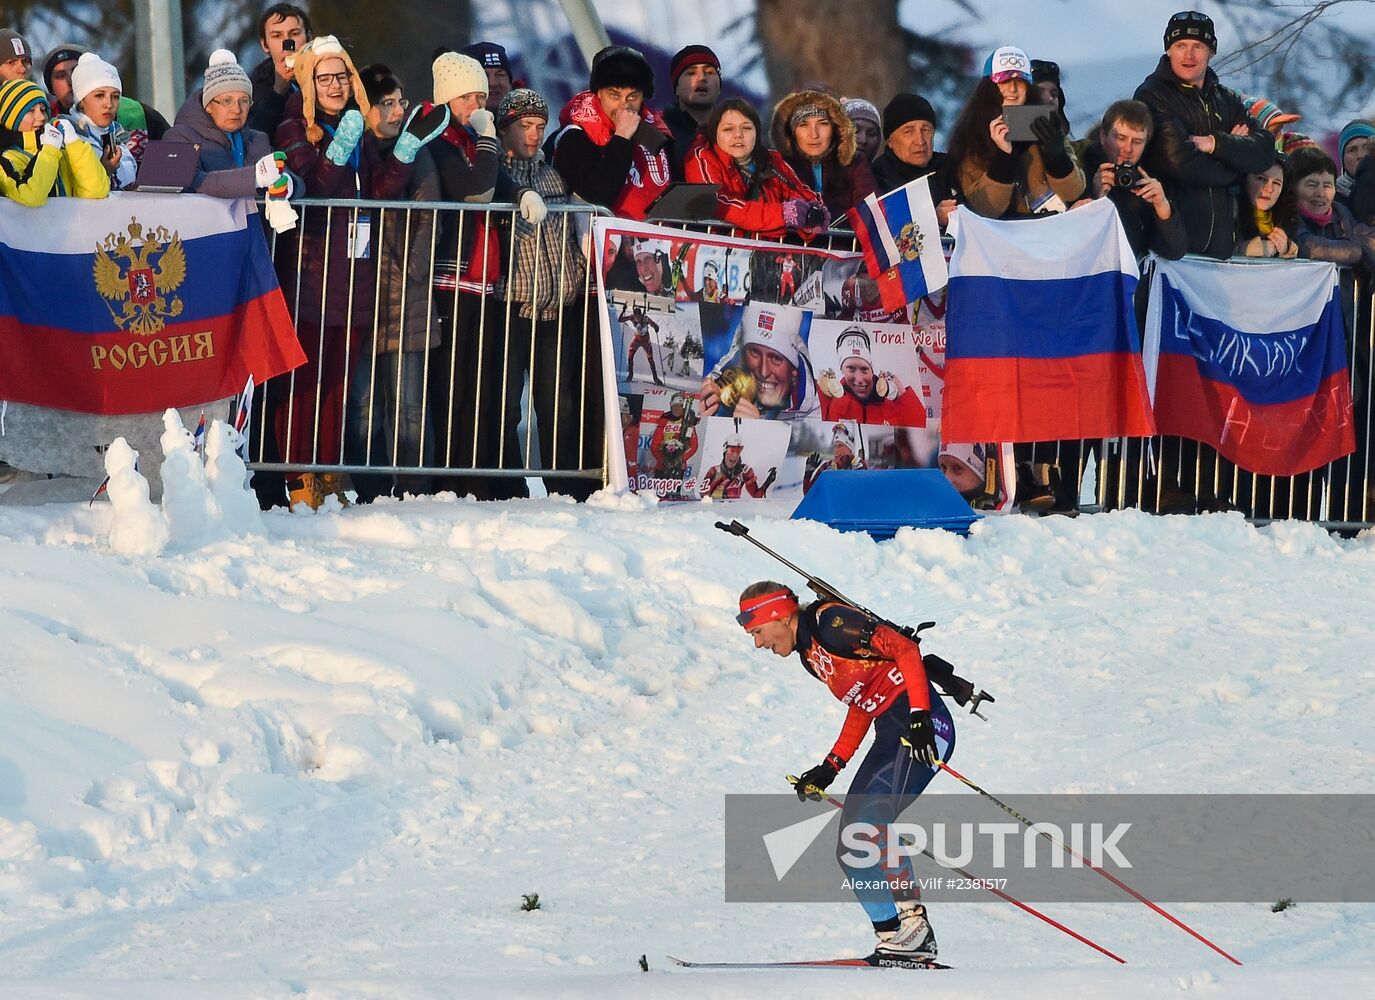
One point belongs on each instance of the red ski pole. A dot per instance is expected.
(1107, 875)
(997, 892)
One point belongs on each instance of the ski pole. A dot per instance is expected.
(1106, 874)
(793, 780)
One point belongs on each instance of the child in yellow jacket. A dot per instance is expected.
(38, 158)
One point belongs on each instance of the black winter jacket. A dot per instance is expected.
(684, 129)
(1202, 186)
(269, 107)
(890, 173)
(1145, 231)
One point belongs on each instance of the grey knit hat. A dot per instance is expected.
(521, 103)
(224, 76)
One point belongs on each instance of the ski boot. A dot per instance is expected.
(914, 940)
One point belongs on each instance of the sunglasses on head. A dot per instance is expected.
(1190, 15)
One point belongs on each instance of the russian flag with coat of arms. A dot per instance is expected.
(1041, 338)
(901, 240)
(138, 302)
(1251, 359)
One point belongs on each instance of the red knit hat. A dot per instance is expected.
(691, 55)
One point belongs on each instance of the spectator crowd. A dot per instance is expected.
(1191, 165)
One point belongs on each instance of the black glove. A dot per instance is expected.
(768, 480)
(921, 736)
(426, 125)
(819, 778)
(1050, 134)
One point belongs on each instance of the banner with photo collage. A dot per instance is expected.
(738, 369)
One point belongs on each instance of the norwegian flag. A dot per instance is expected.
(765, 320)
(245, 406)
(241, 417)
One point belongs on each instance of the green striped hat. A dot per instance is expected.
(17, 98)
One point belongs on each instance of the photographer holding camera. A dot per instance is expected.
(1113, 166)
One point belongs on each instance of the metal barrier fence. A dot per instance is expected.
(420, 357)
(425, 324)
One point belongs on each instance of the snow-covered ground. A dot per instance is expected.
(327, 760)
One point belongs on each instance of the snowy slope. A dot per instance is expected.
(328, 761)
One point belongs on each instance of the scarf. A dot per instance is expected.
(1265, 221)
(541, 260)
(1320, 220)
(649, 172)
(236, 147)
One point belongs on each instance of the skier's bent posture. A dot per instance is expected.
(877, 672)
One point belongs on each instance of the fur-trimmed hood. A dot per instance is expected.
(845, 147)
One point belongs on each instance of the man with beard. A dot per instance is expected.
(696, 76)
(842, 457)
(675, 439)
(860, 394)
(640, 342)
(732, 478)
(766, 376)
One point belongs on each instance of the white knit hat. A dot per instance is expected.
(854, 343)
(455, 75)
(90, 73)
(775, 327)
(224, 75)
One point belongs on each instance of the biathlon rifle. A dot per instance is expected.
(940, 671)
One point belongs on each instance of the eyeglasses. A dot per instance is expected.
(392, 103)
(340, 78)
(241, 103)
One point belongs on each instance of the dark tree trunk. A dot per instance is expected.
(856, 46)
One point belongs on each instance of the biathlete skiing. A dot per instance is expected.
(877, 672)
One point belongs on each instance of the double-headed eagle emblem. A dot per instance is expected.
(138, 272)
(910, 241)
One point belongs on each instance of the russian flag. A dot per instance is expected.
(1041, 338)
(1251, 359)
(137, 302)
(901, 240)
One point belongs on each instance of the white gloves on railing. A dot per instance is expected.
(532, 208)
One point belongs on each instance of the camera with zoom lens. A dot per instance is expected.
(816, 217)
(1126, 175)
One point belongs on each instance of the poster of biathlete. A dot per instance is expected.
(744, 370)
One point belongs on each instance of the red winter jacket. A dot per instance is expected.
(758, 212)
(604, 168)
(905, 411)
(865, 664)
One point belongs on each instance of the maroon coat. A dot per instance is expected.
(319, 246)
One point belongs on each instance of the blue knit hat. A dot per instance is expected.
(1353, 130)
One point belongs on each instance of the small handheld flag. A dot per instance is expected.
(901, 240)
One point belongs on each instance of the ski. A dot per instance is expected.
(874, 961)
